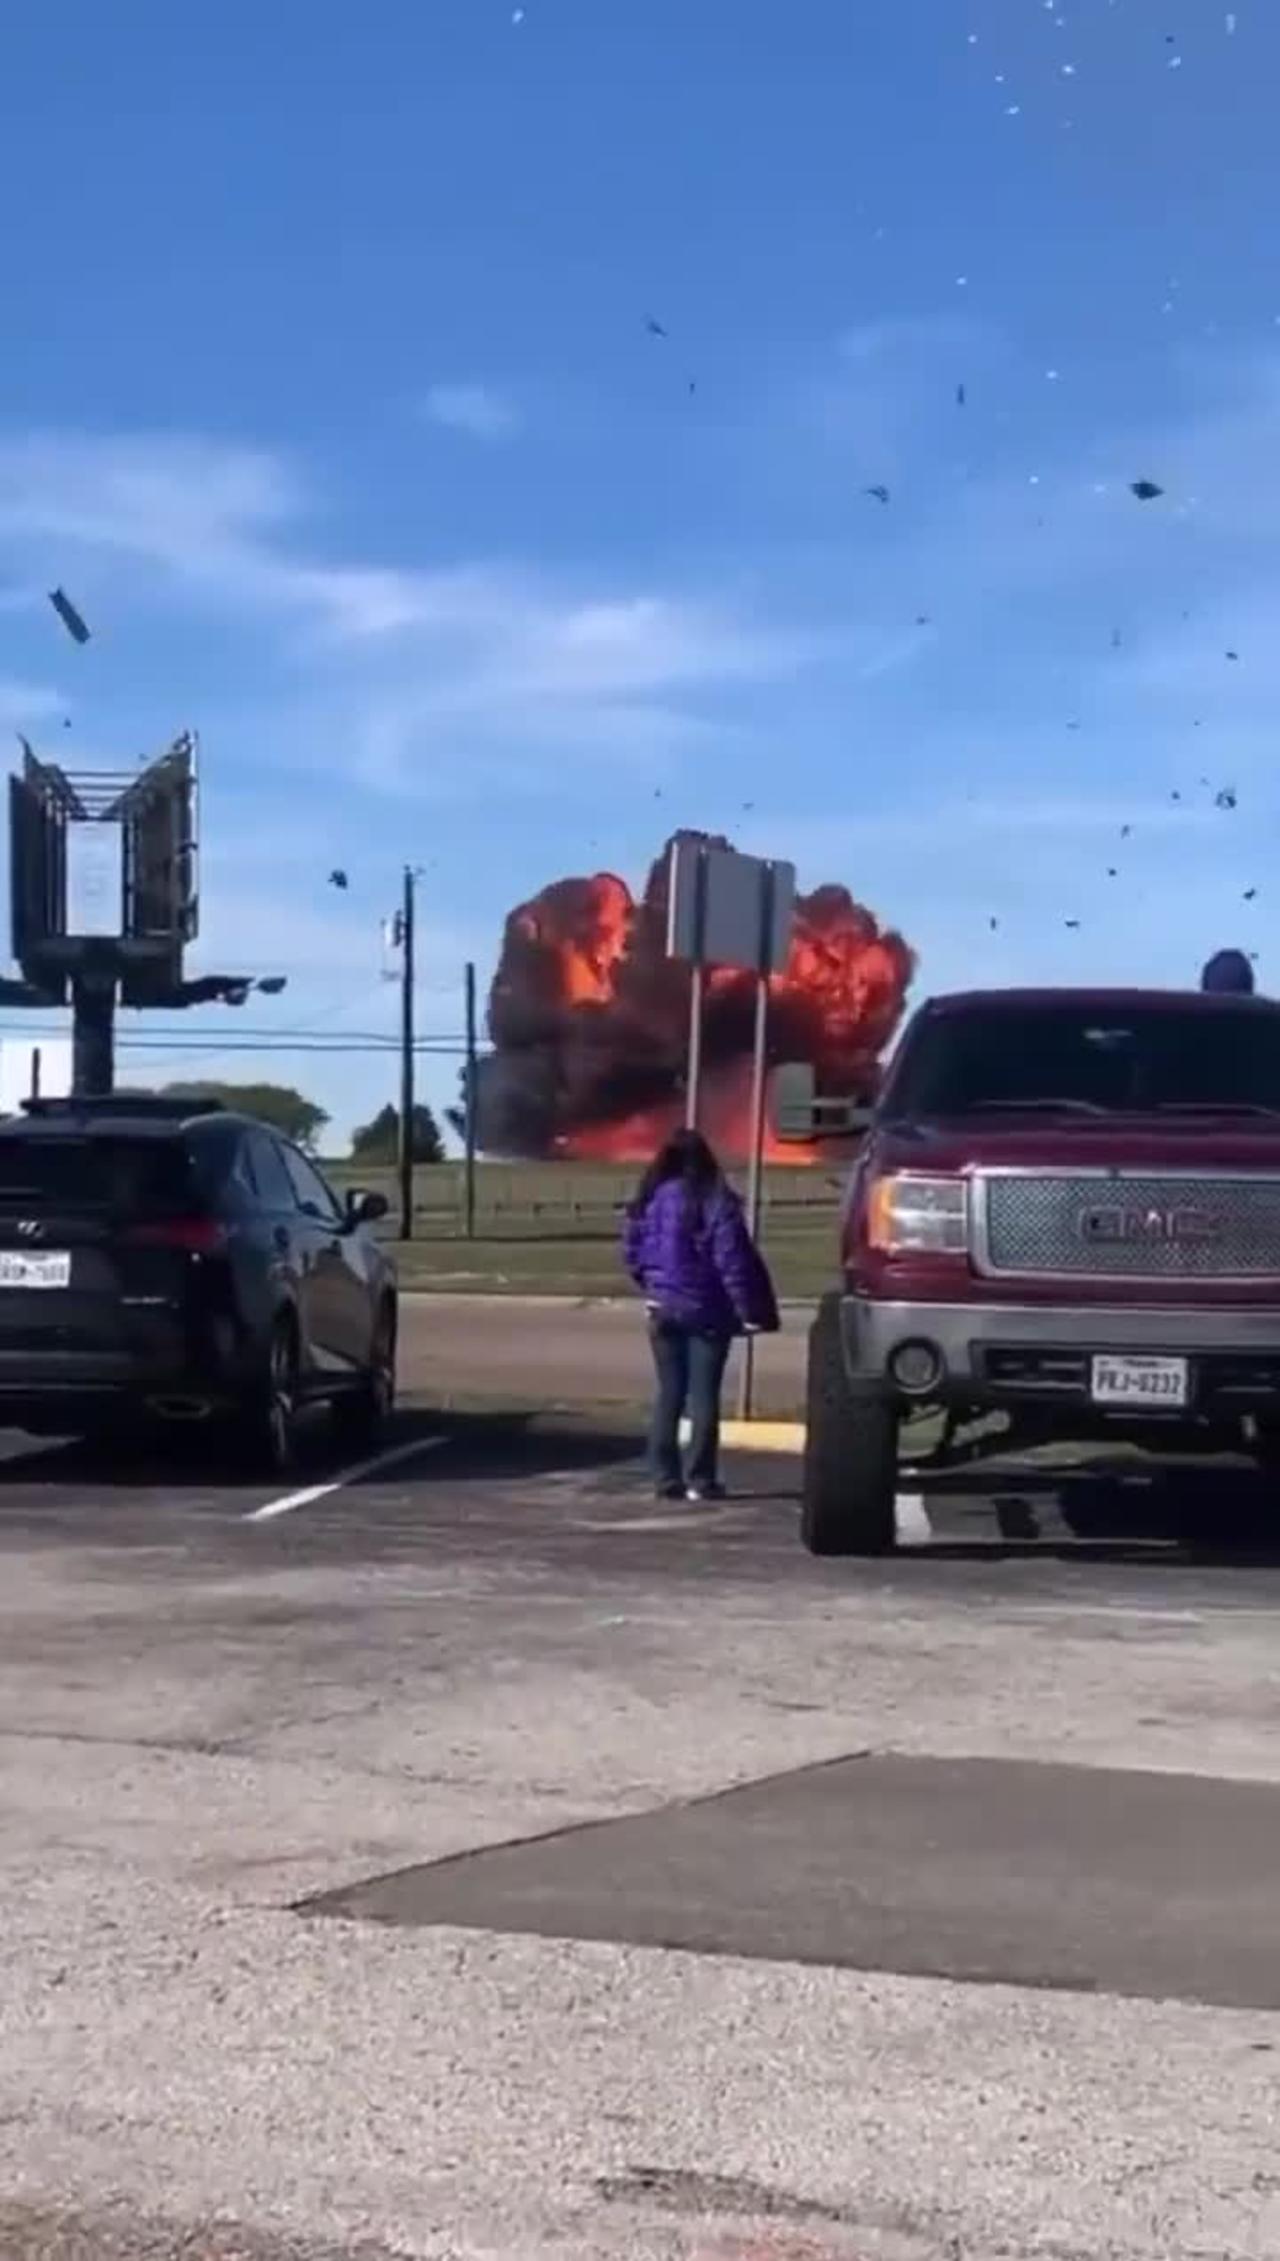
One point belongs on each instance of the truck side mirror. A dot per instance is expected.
(800, 1114)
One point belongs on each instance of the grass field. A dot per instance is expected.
(551, 1228)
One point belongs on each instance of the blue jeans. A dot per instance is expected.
(690, 1368)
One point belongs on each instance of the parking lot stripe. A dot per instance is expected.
(290, 1501)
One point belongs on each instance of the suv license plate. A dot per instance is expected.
(1154, 1382)
(51, 1269)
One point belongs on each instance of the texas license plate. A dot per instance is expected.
(51, 1269)
(1162, 1384)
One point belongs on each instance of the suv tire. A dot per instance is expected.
(360, 1415)
(851, 1454)
(267, 1427)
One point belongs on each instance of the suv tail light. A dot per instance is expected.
(919, 1216)
(191, 1236)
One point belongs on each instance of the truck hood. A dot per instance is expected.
(1182, 1146)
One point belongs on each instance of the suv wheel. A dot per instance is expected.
(269, 1418)
(360, 1415)
(851, 1454)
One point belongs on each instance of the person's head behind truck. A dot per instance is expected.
(1228, 974)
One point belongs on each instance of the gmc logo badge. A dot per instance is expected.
(1160, 1228)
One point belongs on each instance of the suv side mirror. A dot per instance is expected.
(365, 1208)
(800, 1114)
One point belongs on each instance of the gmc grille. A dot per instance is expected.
(1130, 1227)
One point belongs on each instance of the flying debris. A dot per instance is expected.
(1250, 894)
(922, 620)
(1226, 799)
(1146, 490)
(961, 396)
(1233, 655)
(1112, 873)
(654, 327)
(1116, 639)
(68, 615)
(880, 494)
(1072, 925)
(1125, 831)
(1175, 795)
(994, 925)
(339, 879)
(1073, 726)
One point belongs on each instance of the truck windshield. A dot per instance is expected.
(1077, 1060)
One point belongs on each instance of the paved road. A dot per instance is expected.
(548, 1350)
(853, 1963)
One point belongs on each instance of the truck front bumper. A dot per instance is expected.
(1006, 1354)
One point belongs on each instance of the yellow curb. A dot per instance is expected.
(757, 1436)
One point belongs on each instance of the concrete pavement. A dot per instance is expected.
(205, 1721)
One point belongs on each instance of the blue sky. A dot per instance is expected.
(329, 396)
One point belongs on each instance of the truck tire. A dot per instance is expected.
(851, 1454)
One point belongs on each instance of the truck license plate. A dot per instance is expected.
(1160, 1383)
(51, 1269)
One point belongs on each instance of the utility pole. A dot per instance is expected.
(469, 1111)
(405, 1148)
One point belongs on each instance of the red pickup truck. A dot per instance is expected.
(1067, 1211)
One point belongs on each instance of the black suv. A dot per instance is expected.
(175, 1262)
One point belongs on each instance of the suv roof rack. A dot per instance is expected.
(140, 1106)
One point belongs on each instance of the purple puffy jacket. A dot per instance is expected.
(695, 1261)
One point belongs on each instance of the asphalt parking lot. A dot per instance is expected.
(477, 1856)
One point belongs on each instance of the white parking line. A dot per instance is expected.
(312, 1492)
(914, 1523)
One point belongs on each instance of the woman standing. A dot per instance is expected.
(687, 1248)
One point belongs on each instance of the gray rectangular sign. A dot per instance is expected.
(95, 878)
(729, 910)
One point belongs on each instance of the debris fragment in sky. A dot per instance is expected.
(1226, 799)
(1072, 925)
(1112, 873)
(1146, 490)
(517, 15)
(961, 396)
(1175, 795)
(1250, 894)
(1116, 639)
(338, 878)
(1125, 831)
(654, 326)
(1233, 655)
(1231, 22)
(993, 924)
(922, 620)
(1175, 62)
(67, 614)
(880, 494)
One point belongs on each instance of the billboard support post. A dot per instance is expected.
(759, 1094)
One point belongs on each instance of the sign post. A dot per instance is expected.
(731, 910)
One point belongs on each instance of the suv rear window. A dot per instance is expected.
(1082, 1058)
(119, 1175)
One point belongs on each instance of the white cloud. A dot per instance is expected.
(22, 703)
(478, 410)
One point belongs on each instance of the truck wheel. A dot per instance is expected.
(851, 1454)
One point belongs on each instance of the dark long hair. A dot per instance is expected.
(686, 1158)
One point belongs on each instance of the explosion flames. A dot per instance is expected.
(589, 1020)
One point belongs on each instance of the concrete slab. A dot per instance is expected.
(1156, 1886)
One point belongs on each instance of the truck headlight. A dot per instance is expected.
(909, 1215)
